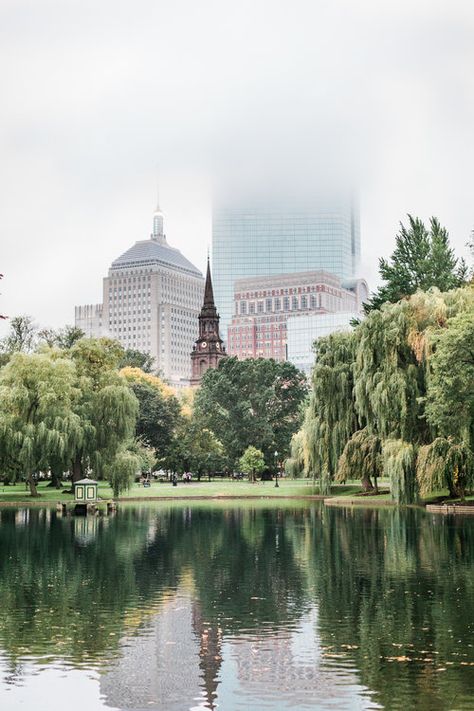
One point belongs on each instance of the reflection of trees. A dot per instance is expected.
(395, 592)
(390, 586)
(68, 588)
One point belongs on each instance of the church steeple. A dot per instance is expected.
(209, 348)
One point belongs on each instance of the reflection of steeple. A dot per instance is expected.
(210, 654)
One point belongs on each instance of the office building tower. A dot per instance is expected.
(266, 238)
(263, 306)
(152, 297)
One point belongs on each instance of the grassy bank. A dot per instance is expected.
(349, 493)
(204, 489)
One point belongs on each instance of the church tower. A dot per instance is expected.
(209, 348)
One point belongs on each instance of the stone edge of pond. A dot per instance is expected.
(145, 500)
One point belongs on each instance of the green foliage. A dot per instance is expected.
(399, 459)
(247, 402)
(122, 469)
(202, 452)
(136, 359)
(64, 338)
(331, 417)
(450, 400)
(38, 426)
(64, 411)
(422, 259)
(362, 459)
(252, 462)
(402, 379)
(445, 464)
(158, 417)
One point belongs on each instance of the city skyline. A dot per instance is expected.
(83, 139)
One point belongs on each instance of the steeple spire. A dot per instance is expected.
(209, 347)
(208, 290)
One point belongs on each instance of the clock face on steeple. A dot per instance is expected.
(203, 344)
(218, 346)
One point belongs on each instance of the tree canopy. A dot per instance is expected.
(252, 402)
(422, 259)
(395, 396)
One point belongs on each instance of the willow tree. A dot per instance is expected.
(331, 417)
(39, 429)
(107, 408)
(361, 459)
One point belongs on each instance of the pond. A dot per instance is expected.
(256, 606)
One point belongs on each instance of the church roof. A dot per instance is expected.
(149, 251)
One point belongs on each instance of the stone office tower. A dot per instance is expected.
(209, 348)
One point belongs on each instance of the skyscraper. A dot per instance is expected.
(152, 297)
(262, 239)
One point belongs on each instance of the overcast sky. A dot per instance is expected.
(98, 97)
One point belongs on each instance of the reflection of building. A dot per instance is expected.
(305, 330)
(261, 239)
(152, 296)
(209, 348)
(264, 305)
(173, 665)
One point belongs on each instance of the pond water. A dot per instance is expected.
(291, 606)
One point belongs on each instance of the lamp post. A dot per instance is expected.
(276, 471)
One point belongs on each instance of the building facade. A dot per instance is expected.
(209, 348)
(262, 240)
(89, 319)
(264, 305)
(152, 296)
(303, 331)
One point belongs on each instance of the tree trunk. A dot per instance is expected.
(77, 470)
(367, 484)
(32, 484)
(55, 481)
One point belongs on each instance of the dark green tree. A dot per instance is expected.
(252, 402)
(158, 417)
(136, 359)
(422, 259)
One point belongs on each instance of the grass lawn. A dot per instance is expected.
(205, 489)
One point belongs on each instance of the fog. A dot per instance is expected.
(102, 99)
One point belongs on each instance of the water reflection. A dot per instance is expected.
(173, 607)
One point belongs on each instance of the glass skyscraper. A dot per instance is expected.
(281, 239)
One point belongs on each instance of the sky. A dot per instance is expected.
(103, 98)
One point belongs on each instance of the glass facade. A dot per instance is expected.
(260, 240)
(304, 330)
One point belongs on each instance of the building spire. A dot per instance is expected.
(208, 290)
(158, 221)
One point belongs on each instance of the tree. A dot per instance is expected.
(422, 259)
(63, 338)
(202, 451)
(251, 401)
(331, 417)
(22, 337)
(450, 397)
(159, 413)
(107, 407)
(38, 427)
(136, 359)
(252, 462)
